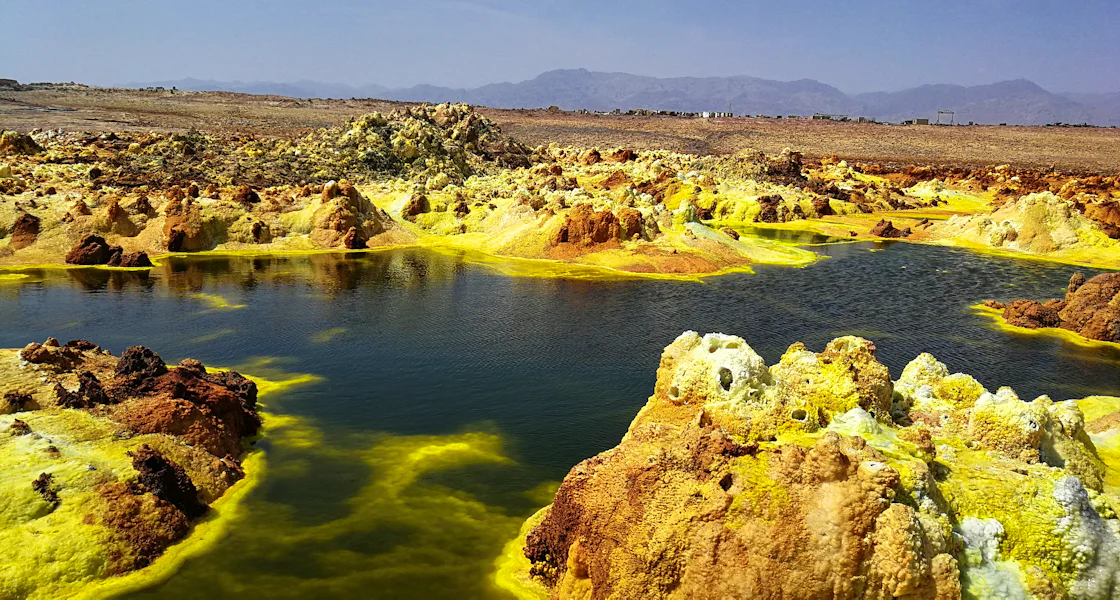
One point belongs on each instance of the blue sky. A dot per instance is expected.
(1070, 45)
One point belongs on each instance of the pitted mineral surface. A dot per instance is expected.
(820, 477)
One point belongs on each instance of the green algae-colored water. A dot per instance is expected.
(452, 400)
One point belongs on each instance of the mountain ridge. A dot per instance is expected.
(1015, 101)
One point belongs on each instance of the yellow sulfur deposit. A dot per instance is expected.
(80, 517)
(819, 476)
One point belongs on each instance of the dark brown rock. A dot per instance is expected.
(139, 363)
(18, 401)
(245, 195)
(167, 481)
(886, 229)
(91, 249)
(822, 207)
(354, 239)
(1033, 314)
(417, 204)
(1090, 308)
(25, 231)
(585, 226)
(44, 486)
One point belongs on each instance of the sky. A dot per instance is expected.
(857, 46)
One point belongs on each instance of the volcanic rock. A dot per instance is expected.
(25, 231)
(819, 478)
(886, 229)
(91, 249)
(1090, 308)
(167, 481)
(585, 226)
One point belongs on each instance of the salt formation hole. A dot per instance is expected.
(725, 379)
(726, 482)
(799, 414)
(733, 346)
(674, 392)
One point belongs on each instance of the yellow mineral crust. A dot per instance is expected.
(92, 528)
(1037, 225)
(819, 477)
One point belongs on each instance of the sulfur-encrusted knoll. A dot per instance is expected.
(820, 477)
(107, 462)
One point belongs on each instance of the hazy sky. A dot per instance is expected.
(1063, 45)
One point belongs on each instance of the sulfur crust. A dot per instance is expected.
(77, 568)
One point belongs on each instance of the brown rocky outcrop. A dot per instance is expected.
(167, 481)
(688, 506)
(25, 231)
(183, 228)
(886, 229)
(91, 249)
(354, 239)
(1033, 314)
(623, 155)
(245, 195)
(212, 411)
(584, 226)
(346, 210)
(616, 180)
(822, 207)
(770, 209)
(190, 426)
(1106, 215)
(416, 205)
(1090, 308)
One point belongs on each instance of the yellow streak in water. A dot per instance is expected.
(215, 301)
(209, 337)
(327, 335)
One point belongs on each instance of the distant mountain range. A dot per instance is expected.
(1019, 102)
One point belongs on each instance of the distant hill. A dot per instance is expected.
(1105, 107)
(1019, 102)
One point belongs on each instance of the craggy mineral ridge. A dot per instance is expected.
(1090, 308)
(447, 176)
(819, 477)
(106, 462)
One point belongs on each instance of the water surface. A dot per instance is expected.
(452, 399)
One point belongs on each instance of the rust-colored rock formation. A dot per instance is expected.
(92, 249)
(183, 429)
(584, 226)
(886, 229)
(25, 231)
(1090, 308)
(819, 477)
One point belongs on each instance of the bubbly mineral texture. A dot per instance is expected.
(819, 477)
(1091, 308)
(106, 462)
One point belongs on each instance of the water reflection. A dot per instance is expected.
(503, 382)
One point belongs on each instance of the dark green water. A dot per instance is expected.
(452, 398)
